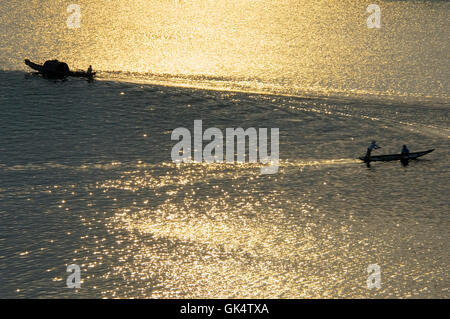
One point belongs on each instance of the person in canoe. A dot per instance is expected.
(371, 147)
(58, 69)
(404, 156)
(405, 150)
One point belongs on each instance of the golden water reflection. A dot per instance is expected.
(289, 46)
(185, 243)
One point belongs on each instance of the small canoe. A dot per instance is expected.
(395, 157)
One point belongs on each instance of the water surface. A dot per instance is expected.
(86, 175)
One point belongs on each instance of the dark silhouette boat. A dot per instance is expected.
(395, 157)
(55, 69)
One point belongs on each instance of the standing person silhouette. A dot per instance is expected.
(371, 147)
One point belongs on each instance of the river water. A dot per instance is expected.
(86, 175)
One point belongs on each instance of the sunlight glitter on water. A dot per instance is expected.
(285, 46)
(86, 175)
